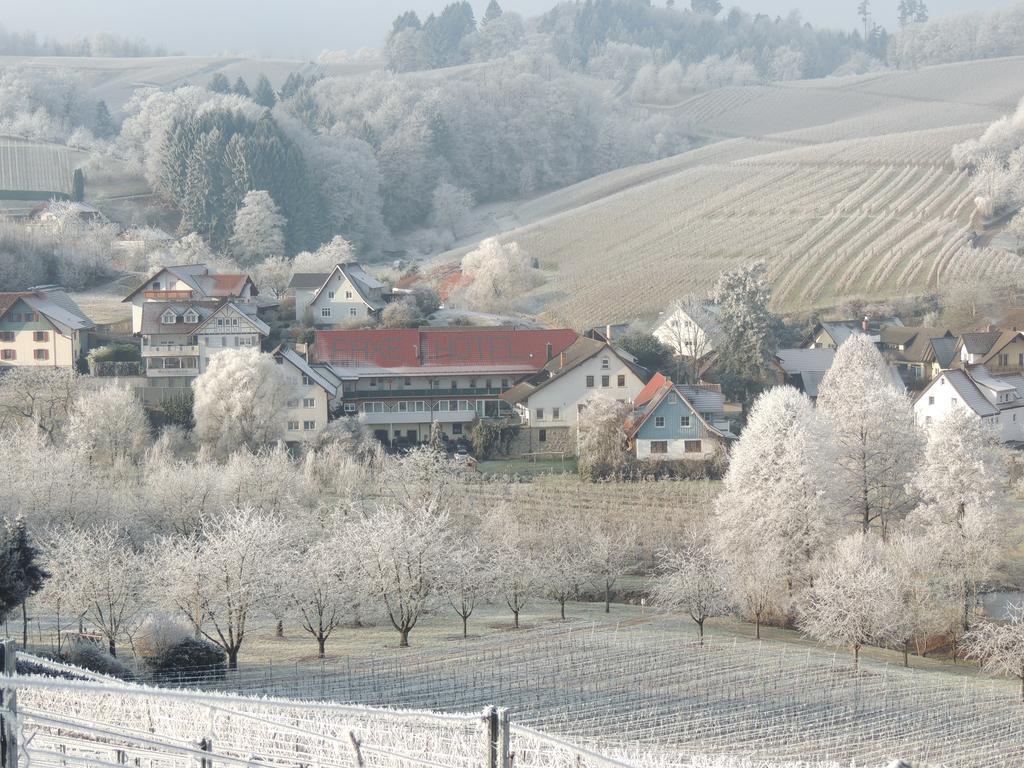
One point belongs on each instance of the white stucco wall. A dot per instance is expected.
(570, 390)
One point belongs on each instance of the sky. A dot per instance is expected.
(303, 28)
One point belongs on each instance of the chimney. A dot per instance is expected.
(551, 352)
(608, 333)
(865, 324)
(561, 359)
(992, 328)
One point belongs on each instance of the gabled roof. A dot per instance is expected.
(287, 353)
(573, 356)
(799, 360)
(187, 273)
(979, 343)
(658, 388)
(916, 341)
(307, 280)
(944, 350)
(971, 396)
(55, 305)
(222, 309)
(153, 311)
(841, 330)
(205, 285)
(360, 280)
(227, 286)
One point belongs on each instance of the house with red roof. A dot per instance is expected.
(673, 422)
(402, 381)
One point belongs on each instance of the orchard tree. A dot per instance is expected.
(874, 439)
(963, 511)
(401, 558)
(320, 585)
(191, 249)
(612, 553)
(259, 229)
(240, 401)
(693, 580)
(403, 313)
(465, 582)
(565, 560)
(745, 341)
(1000, 647)
(217, 580)
(497, 275)
(109, 425)
(601, 437)
(851, 602)
(38, 397)
(922, 608)
(514, 562)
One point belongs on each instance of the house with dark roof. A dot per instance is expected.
(999, 350)
(312, 388)
(194, 283)
(831, 334)
(673, 422)
(805, 368)
(997, 400)
(912, 351)
(401, 381)
(180, 337)
(346, 294)
(549, 402)
(42, 327)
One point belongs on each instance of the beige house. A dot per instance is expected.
(344, 295)
(549, 402)
(191, 283)
(42, 327)
(309, 402)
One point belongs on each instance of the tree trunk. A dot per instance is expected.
(24, 625)
(856, 656)
(321, 641)
(561, 605)
(515, 621)
(232, 658)
(607, 597)
(279, 631)
(700, 632)
(906, 653)
(465, 630)
(113, 647)
(404, 639)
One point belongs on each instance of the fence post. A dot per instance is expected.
(356, 744)
(207, 746)
(8, 707)
(493, 739)
(504, 758)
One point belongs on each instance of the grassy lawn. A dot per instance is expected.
(527, 467)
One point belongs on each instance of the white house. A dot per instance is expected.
(309, 402)
(996, 400)
(549, 402)
(179, 338)
(192, 283)
(689, 331)
(345, 294)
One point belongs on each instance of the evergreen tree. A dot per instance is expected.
(241, 88)
(864, 11)
(292, 84)
(742, 295)
(263, 94)
(21, 572)
(707, 7)
(78, 186)
(493, 11)
(103, 123)
(219, 84)
(407, 20)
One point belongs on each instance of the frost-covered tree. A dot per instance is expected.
(451, 207)
(259, 229)
(240, 401)
(692, 339)
(320, 584)
(612, 553)
(219, 83)
(850, 603)
(191, 249)
(922, 606)
(401, 557)
(273, 275)
(263, 93)
(745, 342)
(325, 258)
(773, 505)
(497, 274)
(693, 580)
(22, 570)
(465, 579)
(218, 579)
(601, 437)
(109, 425)
(107, 580)
(422, 480)
(401, 314)
(38, 397)
(566, 563)
(960, 482)
(1000, 647)
(874, 439)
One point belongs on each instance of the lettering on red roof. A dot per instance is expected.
(417, 348)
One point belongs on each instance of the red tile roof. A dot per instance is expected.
(650, 391)
(424, 347)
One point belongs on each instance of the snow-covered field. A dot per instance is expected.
(843, 186)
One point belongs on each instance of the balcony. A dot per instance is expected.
(167, 295)
(419, 417)
(439, 393)
(165, 350)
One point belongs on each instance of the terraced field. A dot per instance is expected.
(843, 186)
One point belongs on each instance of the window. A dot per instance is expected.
(325, 311)
(352, 312)
(555, 413)
(684, 422)
(453, 405)
(931, 399)
(373, 382)
(308, 402)
(504, 383)
(292, 403)
(293, 426)
(540, 414)
(348, 294)
(605, 364)
(330, 294)
(1004, 359)
(456, 429)
(308, 426)
(6, 335)
(234, 321)
(156, 285)
(306, 381)
(407, 382)
(953, 401)
(191, 317)
(622, 379)
(691, 446)
(605, 381)
(542, 436)
(659, 446)
(220, 321)
(168, 318)
(7, 354)
(41, 354)
(590, 381)
(454, 384)
(659, 422)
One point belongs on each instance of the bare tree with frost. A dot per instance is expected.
(693, 581)
(259, 229)
(1000, 647)
(109, 425)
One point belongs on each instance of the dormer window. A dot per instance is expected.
(191, 316)
(169, 317)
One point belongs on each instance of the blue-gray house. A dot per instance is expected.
(678, 422)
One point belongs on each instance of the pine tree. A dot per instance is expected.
(21, 572)
(219, 84)
(864, 11)
(263, 94)
(745, 342)
(103, 124)
(292, 84)
(241, 88)
(493, 11)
